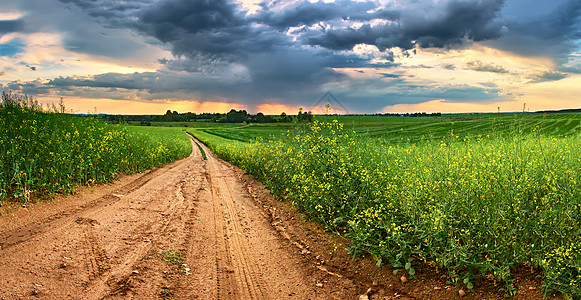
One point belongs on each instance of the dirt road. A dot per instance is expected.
(191, 229)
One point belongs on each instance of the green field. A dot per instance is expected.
(477, 196)
(196, 125)
(50, 152)
(414, 129)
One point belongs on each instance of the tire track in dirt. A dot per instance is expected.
(253, 260)
(95, 256)
(110, 244)
(117, 278)
(239, 275)
(96, 243)
(24, 233)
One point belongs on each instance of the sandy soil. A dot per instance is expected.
(115, 241)
(235, 241)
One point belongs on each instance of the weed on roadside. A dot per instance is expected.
(169, 256)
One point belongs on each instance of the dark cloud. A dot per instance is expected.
(563, 23)
(489, 84)
(208, 35)
(79, 31)
(111, 13)
(288, 50)
(571, 69)
(7, 26)
(174, 20)
(35, 87)
(554, 34)
(449, 66)
(309, 13)
(484, 67)
(443, 26)
(388, 75)
(547, 76)
(421, 66)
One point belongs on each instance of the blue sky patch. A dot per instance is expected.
(12, 48)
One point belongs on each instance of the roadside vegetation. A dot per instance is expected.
(476, 197)
(48, 151)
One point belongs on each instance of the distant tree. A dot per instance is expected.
(261, 118)
(235, 116)
(304, 117)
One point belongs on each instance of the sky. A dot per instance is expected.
(373, 56)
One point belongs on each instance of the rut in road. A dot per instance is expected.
(112, 241)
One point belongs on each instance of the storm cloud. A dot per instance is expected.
(292, 50)
(7, 26)
(443, 26)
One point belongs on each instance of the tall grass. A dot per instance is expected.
(48, 152)
(472, 207)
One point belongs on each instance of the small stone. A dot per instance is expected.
(462, 293)
(403, 279)
(135, 272)
(318, 257)
(63, 265)
(437, 288)
(532, 288)
(375, 283)
(305, 252)
(319, 285)
(369, 291)
(363, 297)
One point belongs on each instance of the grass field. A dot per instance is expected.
(415, 129)
(196, 125)
(477, 197)
(47, 152)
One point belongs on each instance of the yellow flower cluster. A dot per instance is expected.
(44, 153)
(469, 206)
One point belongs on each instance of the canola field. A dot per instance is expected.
(43, 153)
(476, 197)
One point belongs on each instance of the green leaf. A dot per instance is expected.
(408, 265)
(411, 271)
(469, 285)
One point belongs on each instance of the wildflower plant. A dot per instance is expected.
(45, 152)
(479, 205)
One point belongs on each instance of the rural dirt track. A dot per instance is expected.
(111, 241)
(236, 242)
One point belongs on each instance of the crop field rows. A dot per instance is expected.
(477, 197)
(408, 129)
(51, 152)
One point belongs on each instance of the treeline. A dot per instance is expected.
(234, 116)
(416, 114)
